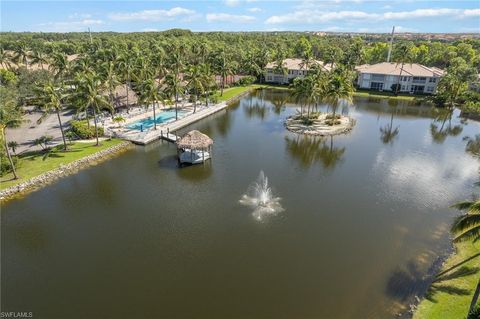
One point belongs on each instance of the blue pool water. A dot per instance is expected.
(162, 117)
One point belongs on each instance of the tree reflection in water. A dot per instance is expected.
(473, 145)
(441, 127)
(256, 108)
(388, 133)
(311, 149)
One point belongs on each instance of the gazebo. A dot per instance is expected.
(194, 147)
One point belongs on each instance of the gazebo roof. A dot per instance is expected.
(194, 140)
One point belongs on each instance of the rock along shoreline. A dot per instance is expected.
(46, 178)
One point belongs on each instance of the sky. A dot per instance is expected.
(242, 15)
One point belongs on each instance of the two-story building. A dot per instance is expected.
(412, 78)
(293, 68)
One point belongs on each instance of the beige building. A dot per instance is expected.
(294, 67)
(412, 78)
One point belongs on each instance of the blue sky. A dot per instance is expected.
(242, 15)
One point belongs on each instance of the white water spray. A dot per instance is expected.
(259, 196)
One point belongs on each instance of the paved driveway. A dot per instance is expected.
(30, 130)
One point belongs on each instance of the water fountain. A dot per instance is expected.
(260, 197)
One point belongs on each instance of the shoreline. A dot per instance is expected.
(44, 179)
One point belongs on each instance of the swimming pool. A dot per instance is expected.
(162, 117)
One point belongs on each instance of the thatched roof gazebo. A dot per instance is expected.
(194, 147)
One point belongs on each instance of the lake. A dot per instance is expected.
(365, 217)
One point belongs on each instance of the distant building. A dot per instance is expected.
(294, 68)
(415, 78)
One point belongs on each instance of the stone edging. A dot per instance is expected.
(64, 170)
(319, 128)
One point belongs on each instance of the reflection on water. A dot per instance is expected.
(442, 126)
(473, 145)
(311, 149)
(388, 133)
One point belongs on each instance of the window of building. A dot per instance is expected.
(376, 86)
(432, 80)
(430, 89)
(403, 88)
(405, 78)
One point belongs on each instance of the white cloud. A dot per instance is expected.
(311, 17)
(152, 15)
(69, 26)
(149, 30)
(253, 10)
(321, 16)
(231, 3)
(230, 18)
(80, 16)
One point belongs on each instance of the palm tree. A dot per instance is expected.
(21, 53)
(10, 117)
(467, 227)
(174, 88)
(60, 66)
(339, 88)
(193, 76)
(39, 57)
(126, 66)
(207, 79)
(5, 59)
(90, 92)
(404, 55)
(225, 68)
(52, 98)
(110, 80)
(150, 95)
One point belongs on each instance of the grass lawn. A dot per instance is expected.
(449, 305)
(32, 164)
(385, 95)
(228, 93)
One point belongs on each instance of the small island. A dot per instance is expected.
(320, 124)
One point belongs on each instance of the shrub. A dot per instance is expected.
(331, 122)
(330, 116)
(82, 131)
(7, 77)
(5, 166)
(246, 80)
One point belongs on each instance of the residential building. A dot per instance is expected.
(413, 78)
(293, 68)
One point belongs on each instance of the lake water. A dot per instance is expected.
(365, 216)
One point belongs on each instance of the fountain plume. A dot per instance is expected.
(260, 197)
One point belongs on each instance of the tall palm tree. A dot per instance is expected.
(224, 68)
(467, 227)
(207, 79)
(110, 79)
(90, 92)
(126, 66)
(39, 57)
(5, 59)
(404, 55)
(174, 89)
(21, 53)
(10, 117)
(339, 88)
(193, 76)
(52, 100)
(150, 95)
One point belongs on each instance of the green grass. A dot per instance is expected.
(32, 164)
(385, 95)
(232, 92)
(452, 306)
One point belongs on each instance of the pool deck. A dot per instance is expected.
(165, 131)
